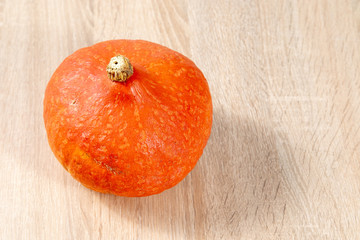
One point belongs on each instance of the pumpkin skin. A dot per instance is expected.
(135, 138)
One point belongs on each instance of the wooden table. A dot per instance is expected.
(283, 159)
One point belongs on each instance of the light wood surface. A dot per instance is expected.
(283, 159)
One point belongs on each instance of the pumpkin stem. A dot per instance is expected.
(119, 69)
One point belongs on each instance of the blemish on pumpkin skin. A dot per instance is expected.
(123, 146)
(136, 114)
(103, 149)
(102, 137)
(164, 107)
(173, 98)
(79, 125)
(179, 72)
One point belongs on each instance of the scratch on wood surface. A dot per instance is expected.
(283, 215)
(277, 190)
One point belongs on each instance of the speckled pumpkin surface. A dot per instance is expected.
(133, 138)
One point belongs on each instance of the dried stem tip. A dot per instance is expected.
(119, 69)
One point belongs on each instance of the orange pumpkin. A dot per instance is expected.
(134, 127)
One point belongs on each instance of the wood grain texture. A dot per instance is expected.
(283, 160)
